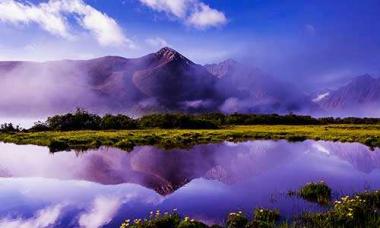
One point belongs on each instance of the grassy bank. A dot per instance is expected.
(360, 210)
(174, 138)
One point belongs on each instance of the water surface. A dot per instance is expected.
(102, 187)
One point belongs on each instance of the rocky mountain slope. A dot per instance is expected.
(359, 97)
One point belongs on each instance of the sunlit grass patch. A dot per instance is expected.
(180, 138)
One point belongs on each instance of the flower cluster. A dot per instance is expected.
(166, 219)
(350, 207)
(237, 219)
(266, 215)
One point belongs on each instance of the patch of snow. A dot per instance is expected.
(321, 97)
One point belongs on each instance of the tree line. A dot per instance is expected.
(83, 120)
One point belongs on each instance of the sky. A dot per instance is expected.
(314, 42)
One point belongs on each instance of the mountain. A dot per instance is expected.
(174, 80)
(223, 68)
(164, 81)
(161, 81)
(248, 89)
(359, 97)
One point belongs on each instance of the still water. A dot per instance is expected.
(101, 188)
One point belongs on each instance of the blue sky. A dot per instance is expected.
(315, 40)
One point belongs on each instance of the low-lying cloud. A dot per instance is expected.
(43, 88)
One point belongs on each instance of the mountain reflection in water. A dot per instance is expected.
(232, 176)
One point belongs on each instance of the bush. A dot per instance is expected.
(266, 215)
(58, 145)
(119, 122)
(40, 126)
(9, 128)
(361, 210)
(79, 120)
(127, 145)
(237, 220)
(316, 192)
(171, 121)
(82, 120)
(295, 138)
(191, 223)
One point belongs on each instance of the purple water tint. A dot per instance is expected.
(205, 182)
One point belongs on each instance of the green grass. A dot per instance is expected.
(361, 210)
(317, 192)
(127, 139)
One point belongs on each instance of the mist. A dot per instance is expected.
(247, 89)
(34, 89)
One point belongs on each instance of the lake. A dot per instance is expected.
(103, 187)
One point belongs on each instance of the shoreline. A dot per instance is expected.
(368, 135)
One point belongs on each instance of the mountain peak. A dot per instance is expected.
(223, 68)
(363, 78)
(169, 54)
(230, 62)
(167, 50)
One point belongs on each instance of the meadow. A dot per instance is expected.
(185, 138)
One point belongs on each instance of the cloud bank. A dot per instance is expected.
(54, 17)
(193, 12)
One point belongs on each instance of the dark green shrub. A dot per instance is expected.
(172, 121)
(58, 145)
(361, 210)
(316, 192)
(9, 128)
(40, 126)
(264, 218)
(237, 220)
(79, 120)
(266, 215)
(127, 145)
(295, 138)
(119, 122)
(191, 223)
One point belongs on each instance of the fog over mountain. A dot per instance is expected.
(359, 97)
(166, 81)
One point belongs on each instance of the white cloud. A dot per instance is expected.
(205, 17)
(176, 7)
(52, 16)
(23, 13)
(193, 12)
(44, 218)
(157, 42)
(101, 213)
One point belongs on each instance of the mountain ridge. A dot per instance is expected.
(164, 81)
(361, 92)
